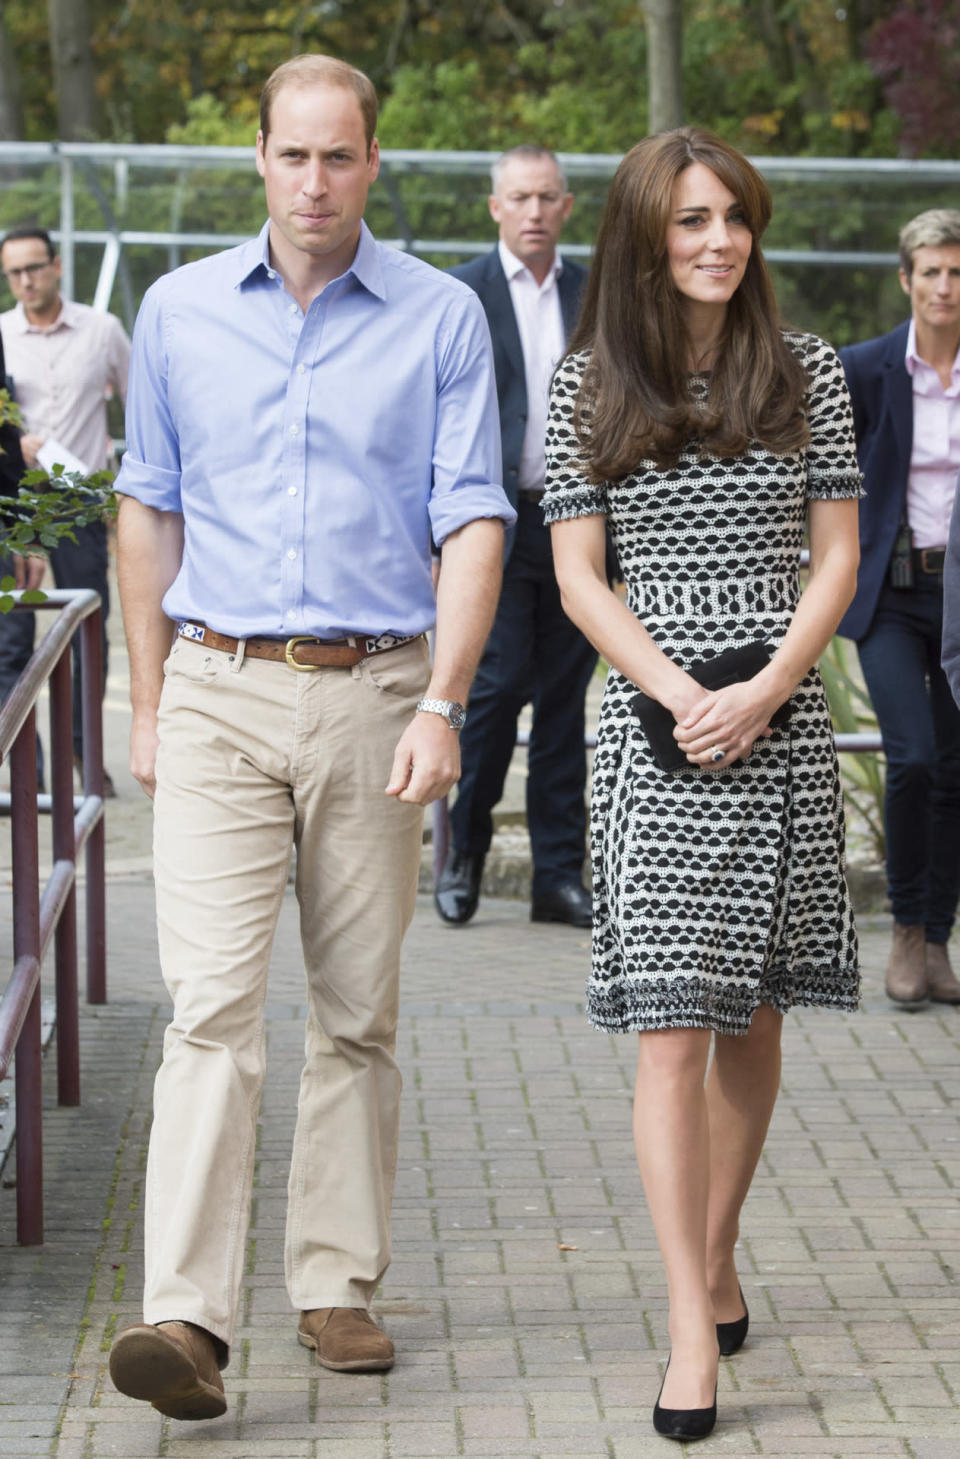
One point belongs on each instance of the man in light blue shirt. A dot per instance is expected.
(305, 413)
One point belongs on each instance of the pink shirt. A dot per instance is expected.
(63, 373)
(935, 459)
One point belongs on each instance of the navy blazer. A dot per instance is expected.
(486, 277)
(882, 393)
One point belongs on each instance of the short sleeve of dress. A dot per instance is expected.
(832, 470)
(568, 492)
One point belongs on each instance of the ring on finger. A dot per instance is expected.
(717, 753)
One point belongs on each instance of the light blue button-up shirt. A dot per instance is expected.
(312, 455)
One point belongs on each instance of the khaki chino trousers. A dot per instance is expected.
(255, 759)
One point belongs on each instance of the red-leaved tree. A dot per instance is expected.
(916, 52)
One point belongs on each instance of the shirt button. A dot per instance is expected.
(291, 491)
(293, 430)
(292, 554)
(299, 369)
(293, 308)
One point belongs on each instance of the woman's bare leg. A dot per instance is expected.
(672, 1135)
(741, 1091)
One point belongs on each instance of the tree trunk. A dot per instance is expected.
(11, 110)
(664, 63)
(73, 73)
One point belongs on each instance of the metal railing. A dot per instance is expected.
(440, 816)
(39, 917)
(126, 200)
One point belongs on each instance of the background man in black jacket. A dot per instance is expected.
(534, 653)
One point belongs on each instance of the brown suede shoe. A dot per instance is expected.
(942, 986)
(346, 1339)
(173, 1366)
(907, 969)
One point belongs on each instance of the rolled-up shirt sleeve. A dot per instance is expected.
(467, 468)
(150, 470)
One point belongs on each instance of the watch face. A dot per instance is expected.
(456, 715)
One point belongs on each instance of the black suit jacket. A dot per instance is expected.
(882, 393)
(486, 277)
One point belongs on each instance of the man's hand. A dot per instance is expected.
(30, 444)
(143, 752)
(426, 764)
(28, 571)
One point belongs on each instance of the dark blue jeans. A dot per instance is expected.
(534, 655)
(920, 725)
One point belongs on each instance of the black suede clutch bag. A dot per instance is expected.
(730, 667)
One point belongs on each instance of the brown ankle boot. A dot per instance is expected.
(942, 986)
(346, 1339)
(173, 1366)
(906, 980)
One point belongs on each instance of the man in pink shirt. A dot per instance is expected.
(63, 360)
(905, 388)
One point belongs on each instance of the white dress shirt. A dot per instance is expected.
(63, 372)
(543, 341)
(935, 458)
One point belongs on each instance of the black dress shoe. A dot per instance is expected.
(684, 1424)
(732, 1335)
(571, 903)
(458, 887)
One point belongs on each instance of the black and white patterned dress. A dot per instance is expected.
(716, 891)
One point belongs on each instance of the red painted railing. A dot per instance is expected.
(39, 916)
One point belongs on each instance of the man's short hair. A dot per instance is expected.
(932, 229)
(525, 152)
(27, 230)
(316, 70)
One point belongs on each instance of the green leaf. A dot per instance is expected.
(7, 584)
(33, 595)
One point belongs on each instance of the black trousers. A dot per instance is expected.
(534, 655)
(920, 726)
(80, 564)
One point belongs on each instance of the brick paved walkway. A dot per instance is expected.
(516, 1145)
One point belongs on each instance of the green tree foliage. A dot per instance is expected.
(793, 77)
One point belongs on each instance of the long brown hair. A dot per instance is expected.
(634, 399)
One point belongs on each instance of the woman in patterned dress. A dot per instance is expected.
(708, 439)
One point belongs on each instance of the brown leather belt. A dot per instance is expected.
(303, 653)
(929, 559)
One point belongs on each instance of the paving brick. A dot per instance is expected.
(516, 1140)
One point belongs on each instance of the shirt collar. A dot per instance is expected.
(66, 319)
(913, 361)
(513, 266)
(253, 259)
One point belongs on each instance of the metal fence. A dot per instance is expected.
(122, 215)
(39, 918)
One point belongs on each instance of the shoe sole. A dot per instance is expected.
(950, 1001)
(353, 1365)
(146, 1365)
(909, 1005)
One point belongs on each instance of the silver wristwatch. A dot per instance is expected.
(453, 713)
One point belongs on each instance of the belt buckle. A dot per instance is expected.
(288, 649)
(924, 565)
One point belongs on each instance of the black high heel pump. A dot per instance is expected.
(684, 1424)
(732, 1335)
